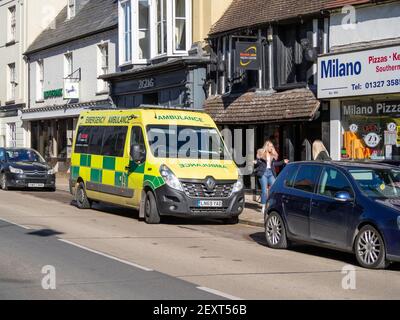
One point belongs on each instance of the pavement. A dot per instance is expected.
(251, 214)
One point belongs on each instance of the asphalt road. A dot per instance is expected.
(106, 253)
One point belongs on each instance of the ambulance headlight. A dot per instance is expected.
(170, 178)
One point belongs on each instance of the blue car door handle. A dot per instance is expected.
(314, 204)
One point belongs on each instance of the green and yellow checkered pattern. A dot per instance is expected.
(112, 171)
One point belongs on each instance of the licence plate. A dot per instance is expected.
(210, 204)
(36, 185)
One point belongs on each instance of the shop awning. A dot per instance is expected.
(62, 111)
(258, 107)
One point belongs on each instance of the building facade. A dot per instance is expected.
(162, 55)
(264, 76)
(360, 79)
(65, 62)
(19, 26)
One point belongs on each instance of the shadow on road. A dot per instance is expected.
(45, 233)
(310, 250)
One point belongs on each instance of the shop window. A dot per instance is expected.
(371, 131)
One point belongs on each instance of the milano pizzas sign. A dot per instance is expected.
(359, 73)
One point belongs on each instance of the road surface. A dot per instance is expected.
(107, 253)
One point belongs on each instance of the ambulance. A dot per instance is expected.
(162, 162)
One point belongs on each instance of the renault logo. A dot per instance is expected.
(210, 183)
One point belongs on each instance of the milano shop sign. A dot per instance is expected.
(359, 73)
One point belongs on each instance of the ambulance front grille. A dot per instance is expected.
(199, 190)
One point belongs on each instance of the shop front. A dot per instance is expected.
(176, 83)
(51, 130)
(363, 89)
(371, 130)
(292, 120)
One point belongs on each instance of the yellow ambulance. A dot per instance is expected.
(160, 161)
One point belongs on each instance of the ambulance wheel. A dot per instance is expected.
(151, 213)
(82, 201)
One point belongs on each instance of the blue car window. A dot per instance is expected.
(332, 181)
(2, 155)
(307, 178)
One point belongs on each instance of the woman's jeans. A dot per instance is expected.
(267, 180)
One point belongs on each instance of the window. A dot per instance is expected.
(126, 30)
(103, 66)
(180, 25)
(144, 29)
(137, 136)
(68, 65)
(11, 135)
(12, 23)
(114, 141)
(99, 140)
(71, 9)
(307, 178)
(161, 26)
(2, 155)
(332, 181)
(39, 80)
(154, 28)
(12, 82)
(290, 176)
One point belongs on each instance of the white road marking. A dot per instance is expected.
(106, 255)
(16, 224)
(219, 293)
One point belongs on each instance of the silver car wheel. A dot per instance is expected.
(274, 230)
(369, 247)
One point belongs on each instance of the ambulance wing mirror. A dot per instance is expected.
(138, 153)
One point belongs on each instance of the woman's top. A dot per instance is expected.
(261, 167)
(323, 156)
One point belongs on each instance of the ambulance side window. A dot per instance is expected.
(137, 137)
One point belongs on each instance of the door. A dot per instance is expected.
(136, 172)
(329, 217)
(297, 200)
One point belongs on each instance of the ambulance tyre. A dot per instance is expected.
(151, 214)
(82, 201)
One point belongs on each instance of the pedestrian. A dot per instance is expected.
(267, 161)
(319, 151)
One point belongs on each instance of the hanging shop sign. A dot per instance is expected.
(359, 73)
(71, 89)
(248, 56)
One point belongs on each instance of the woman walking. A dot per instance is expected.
(319, 151)
(267, 161)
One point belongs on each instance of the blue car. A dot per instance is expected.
(348, 206)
